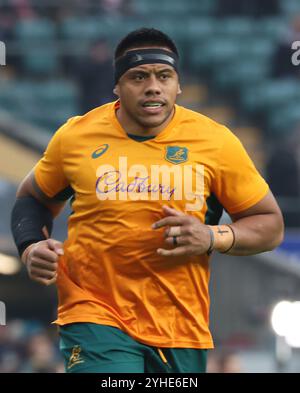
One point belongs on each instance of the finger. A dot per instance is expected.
(171, 211)
(41, 263)
(41, 273)
(56, 246)
(178, 251)
(44, 253)
(182, 231)
(172, 221)
(44, 281)
(52, 281)
(174, 231)
(180, 240)
(45, 232)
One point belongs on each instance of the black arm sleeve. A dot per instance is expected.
(28, 218)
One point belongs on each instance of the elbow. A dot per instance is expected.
(278, 233)
(277, 241)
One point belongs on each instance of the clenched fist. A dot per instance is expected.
(41, 260)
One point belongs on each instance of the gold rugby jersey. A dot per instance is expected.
(110, 272)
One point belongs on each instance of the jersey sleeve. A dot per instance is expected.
(49, 171)
(238, 185)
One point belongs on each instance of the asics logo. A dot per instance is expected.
(100, 151)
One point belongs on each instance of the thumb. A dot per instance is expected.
(55, 246)
(169, 211)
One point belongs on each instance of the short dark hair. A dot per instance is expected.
(144, 37)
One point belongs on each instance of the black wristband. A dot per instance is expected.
(28, 218)
(233, 240)
(23, 246)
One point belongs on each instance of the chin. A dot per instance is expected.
(153, 121)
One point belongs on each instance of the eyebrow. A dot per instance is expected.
(142, 71)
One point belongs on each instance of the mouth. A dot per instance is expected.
(153, 107)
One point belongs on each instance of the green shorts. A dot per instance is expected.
(93, 348)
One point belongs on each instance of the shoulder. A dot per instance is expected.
(78, 124)
(204, 125)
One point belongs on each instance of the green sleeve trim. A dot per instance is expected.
(214, 210)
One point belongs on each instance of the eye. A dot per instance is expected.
(164, 76)
(139, 77)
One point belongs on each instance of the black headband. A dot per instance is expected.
(134, 58)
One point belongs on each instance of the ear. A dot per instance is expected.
(116, 90)
(179, 91)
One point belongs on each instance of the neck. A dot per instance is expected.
(134, 128)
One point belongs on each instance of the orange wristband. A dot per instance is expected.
(224, 238)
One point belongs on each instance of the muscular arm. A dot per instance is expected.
(29, 187)
(259, 228)
(32, 210)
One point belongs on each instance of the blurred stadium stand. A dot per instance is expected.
(233, 70)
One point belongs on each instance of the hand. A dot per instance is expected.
(192, 237)
(41, 260)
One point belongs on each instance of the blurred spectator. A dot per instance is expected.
(282, 64)
(7, 23)
(11, 349)
(23, 9)
(116, 7)
(283, 176)
(109, 7)
(95, 77)
(225, 361)
(253, 8)
(41, 355)
(28, 347)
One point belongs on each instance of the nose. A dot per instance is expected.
(153, 86)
